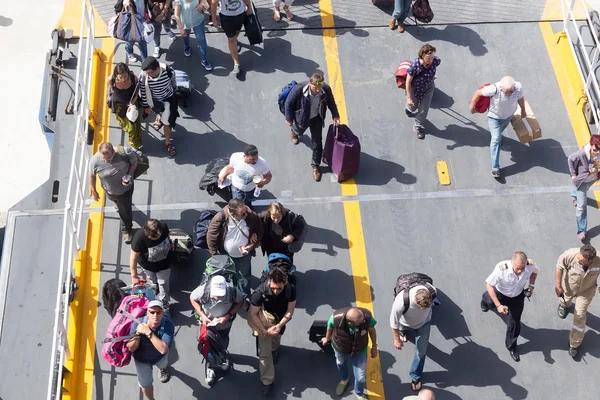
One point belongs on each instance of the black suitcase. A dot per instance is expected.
(317, 331)
(253, 27)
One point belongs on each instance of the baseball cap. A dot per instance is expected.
(156, 303)
(218, 286)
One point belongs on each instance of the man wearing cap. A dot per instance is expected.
(150, 347)
(159, 80)
(217, 304)
(306, 107)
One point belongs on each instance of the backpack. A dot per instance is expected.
(143, 163)
(114, 348)
(408, 281)
(422, 11)
(183, 245)
(212, 348)
(401, 73)
(184, 87)
(112, 295)
(283, 94)
(201, 228)
(221, 265)
(210, 179)
(483, 103)
(282, 261)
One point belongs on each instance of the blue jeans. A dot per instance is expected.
(143, 48)
(401, 10)
(359, 367)
(246, 197)
(497, 126)
(580, 194)
(200, 38)
(421, 343)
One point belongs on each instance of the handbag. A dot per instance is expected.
(133, 111)
(130, 25)
(148, 32)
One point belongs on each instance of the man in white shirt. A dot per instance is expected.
(506, 293)
(504, 97)
(248, 171)
(413, 312)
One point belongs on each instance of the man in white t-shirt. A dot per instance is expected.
(413, 312)
(248, 171)
(504, 98)
(232, 17)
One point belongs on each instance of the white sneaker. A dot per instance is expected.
(156, 53)
(132, 58)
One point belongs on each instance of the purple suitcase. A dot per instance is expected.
(342, 152)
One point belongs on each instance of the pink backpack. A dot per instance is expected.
(114, 350)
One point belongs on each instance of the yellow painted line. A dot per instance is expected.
(553, 10)
(84, 309)
(71, 19)
(356, 241)
(442, 171)
(569, 81)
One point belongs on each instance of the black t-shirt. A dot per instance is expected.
(154, 254)
(276, 305)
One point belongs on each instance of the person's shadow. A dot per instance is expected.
(459, 35)
(276, 54)
(449, 318)
(325, 237)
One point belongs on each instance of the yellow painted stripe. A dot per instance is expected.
(71, 19)
(553, 10)
(84, 310)
(442, 171)
(356, 241)
(569, 81)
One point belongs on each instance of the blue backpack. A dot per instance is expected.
(285, 91)
(201, 228)
(282, 261)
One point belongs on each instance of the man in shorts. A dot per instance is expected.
(232, 16)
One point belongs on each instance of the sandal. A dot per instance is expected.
(158, 124)
(288, 13)
(341, 388)
(277, 16)
(171, 150)
(416, 385)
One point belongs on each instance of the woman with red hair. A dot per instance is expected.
(584, 165)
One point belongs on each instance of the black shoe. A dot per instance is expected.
(266, 389)
(514, 353)
(164, 375)
(275, 356)
(127, 237)
(562, 312)
(572, 352)
(484, 307)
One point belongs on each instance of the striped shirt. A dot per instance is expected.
(161, 88)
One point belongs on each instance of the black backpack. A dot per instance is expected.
(201, 228)
(408, 281)
(422, 11)
(209, 181)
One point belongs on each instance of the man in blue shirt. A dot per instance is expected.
(150, 346)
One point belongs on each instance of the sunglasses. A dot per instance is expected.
(318, 84)
(154, 312)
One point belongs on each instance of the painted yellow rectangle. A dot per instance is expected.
(442, 171)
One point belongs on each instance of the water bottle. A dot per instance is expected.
(257, 192)
(257, 179)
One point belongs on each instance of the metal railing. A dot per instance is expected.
(586, 63)
(76, 195)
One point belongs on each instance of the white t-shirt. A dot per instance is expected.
(232, 7)
(244, 173)
(502, 106)
(414, 317)
(234, 238)
(504, 279)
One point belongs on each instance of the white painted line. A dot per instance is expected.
(9, 234)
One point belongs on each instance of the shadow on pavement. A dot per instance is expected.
(327, 237)
(457, 34)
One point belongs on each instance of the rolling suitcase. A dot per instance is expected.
(342, 152)
(317, 331)
(253, 27)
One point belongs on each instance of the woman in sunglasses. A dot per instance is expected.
(583, 166)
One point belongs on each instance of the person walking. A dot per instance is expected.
(286, 8)
(506, 293)
(584, 165)
(420, 86)
(161, 13)
(412, 312)
(272, 306)
(231, 19)
(401, 11)
(189, 15)
(236, 231)
(157, 90)
(577, 273)
(305, 108)
(139, 6)
(122, 89)
(248, 172)
(151, 249)
(115, 170)
(504, 98)
(150, 347)
(284, 231)
(347, 330)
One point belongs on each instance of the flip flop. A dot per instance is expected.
(288, 13)
(171, 150)
(416, 385)
(341, 388)
(277, 16)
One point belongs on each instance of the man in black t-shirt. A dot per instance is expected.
(272, 306)
(150, 248)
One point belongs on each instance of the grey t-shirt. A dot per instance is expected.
(315, 104)
(414, 317)
(111, 173)
(217, 308)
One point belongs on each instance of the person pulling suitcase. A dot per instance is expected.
(306, 107)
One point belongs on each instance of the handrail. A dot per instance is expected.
(74, 203)
(591, 86)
